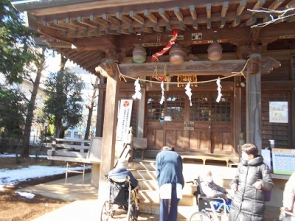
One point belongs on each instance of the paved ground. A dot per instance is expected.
(85, 205)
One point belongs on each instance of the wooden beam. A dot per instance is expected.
(123, 18)
(224, 9)
(158, 28)
(78, 22)
(195, 25)
(99, 21)
(54, 24)
(65, 24)
(251, 21)
(236, 22)
(178, 13)
(182, 26)
(88, 22)
(193, 12)
(241, 7)
(275, 4)
(208, 24)
(146, 29)
(111, 32)
(168, 27)
(291, 4)
(150, 16)
(291, 19)
(222, 23)
(164, 15)
(258, 4)
(208, 10)
(223, 67)
(111, 19)
(123, 31)
(137, 17)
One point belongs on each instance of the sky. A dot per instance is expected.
(10, 177)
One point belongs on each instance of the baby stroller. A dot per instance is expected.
(122, 195)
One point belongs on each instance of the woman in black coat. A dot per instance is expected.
(251, 180)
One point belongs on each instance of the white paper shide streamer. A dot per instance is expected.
(163, 93)
(137, 94)
(188, 92)
(218, 90)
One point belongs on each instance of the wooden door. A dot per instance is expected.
(204, 127)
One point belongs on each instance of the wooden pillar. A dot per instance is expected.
(237, 129)
(253, 101)
(100, 107)
(109, 131)
(141, 114)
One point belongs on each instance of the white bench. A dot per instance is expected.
(74, 150)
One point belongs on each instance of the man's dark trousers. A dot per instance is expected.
(166, 213)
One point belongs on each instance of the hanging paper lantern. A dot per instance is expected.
(139, 54)
(214, 51)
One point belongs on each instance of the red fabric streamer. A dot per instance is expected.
(168, 46)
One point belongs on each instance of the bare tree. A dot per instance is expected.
(275, 15)
(90, 107)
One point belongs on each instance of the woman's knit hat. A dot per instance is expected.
(122, 163)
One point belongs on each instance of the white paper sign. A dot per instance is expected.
(278, 112)
(124, 118)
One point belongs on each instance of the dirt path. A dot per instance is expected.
(14, 207)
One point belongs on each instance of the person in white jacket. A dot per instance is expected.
(289, 197)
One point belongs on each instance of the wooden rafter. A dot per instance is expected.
(178, 14)
(150, 16)
(123, 18)
(164, 15)
(137, 17)
(241, 7)
(193, 12)
(224, 9)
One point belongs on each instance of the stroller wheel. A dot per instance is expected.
(105, 211)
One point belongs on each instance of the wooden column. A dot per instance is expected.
(237, 129)
(253, 101)
(141, 114)
(100, 107)
(109, 131)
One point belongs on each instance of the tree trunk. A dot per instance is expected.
(31, 108)
(90, 109)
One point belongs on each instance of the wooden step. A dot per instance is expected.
(150, 196)
(184, 212)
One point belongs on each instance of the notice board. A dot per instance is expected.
(283, 161)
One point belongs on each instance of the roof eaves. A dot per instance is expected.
(26, 5)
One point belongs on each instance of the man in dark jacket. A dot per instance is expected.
(251, 180)
(171, 182)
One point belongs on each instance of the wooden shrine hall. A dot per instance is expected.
(207, 70)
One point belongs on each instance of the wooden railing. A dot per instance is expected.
(73, 150)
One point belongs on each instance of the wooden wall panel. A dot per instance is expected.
(171, 137)
(159, 135)
(194, 141)
(181, 139)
